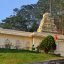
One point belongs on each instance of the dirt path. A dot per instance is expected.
(61, 61)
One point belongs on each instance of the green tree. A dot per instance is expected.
(47, 44)
(15, 10)
(15, 22)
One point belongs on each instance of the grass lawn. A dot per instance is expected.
(23, 57)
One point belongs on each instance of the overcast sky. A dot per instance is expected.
(7, 6)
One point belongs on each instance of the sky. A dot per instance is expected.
(7, 6)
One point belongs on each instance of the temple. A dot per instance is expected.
(14, 39)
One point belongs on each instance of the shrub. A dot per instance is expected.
(47, 44)
(8, 46)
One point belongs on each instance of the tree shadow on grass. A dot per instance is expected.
(4, 50)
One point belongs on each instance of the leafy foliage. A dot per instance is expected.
(47, 44)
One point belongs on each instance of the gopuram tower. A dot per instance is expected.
(47, 24)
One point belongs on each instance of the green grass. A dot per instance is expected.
(23, 57)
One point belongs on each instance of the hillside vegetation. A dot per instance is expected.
(27, 17)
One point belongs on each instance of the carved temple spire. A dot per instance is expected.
(47, 24)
